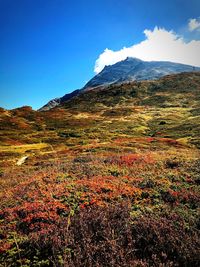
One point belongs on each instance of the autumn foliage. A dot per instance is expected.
(111, 178)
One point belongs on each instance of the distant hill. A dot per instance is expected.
(175, 90)
(130, 69)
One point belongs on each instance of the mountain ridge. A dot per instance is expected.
(130, 69)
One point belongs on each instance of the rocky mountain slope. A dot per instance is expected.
(130, 69)
(134, 69)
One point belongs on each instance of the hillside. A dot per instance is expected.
(168, 107)
(109, 177)
(128, 70)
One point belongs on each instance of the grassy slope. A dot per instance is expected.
(130, 149)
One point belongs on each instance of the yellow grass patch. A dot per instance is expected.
(23, 148)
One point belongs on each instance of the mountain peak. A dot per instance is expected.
(130, 59)
(135, 69)
(129, 69)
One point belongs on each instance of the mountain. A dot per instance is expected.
(134, 69)
(169, 106)
(130, 69)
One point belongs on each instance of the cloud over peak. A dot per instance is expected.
(159, 45)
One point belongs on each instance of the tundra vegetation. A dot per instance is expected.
(111, 178)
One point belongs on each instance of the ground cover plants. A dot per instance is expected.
(112, 183)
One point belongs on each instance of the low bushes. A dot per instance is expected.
(109, 236)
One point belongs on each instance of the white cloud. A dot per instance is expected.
(159, 45)
(194, 24)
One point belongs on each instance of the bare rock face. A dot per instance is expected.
(51, 104)
(55, 102)
(134, 69)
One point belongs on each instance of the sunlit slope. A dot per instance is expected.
(168, 107)
(162, 110)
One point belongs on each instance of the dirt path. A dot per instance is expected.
(21, 160)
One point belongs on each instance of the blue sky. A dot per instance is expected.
(49, 47)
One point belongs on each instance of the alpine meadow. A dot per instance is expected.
(107, 174)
